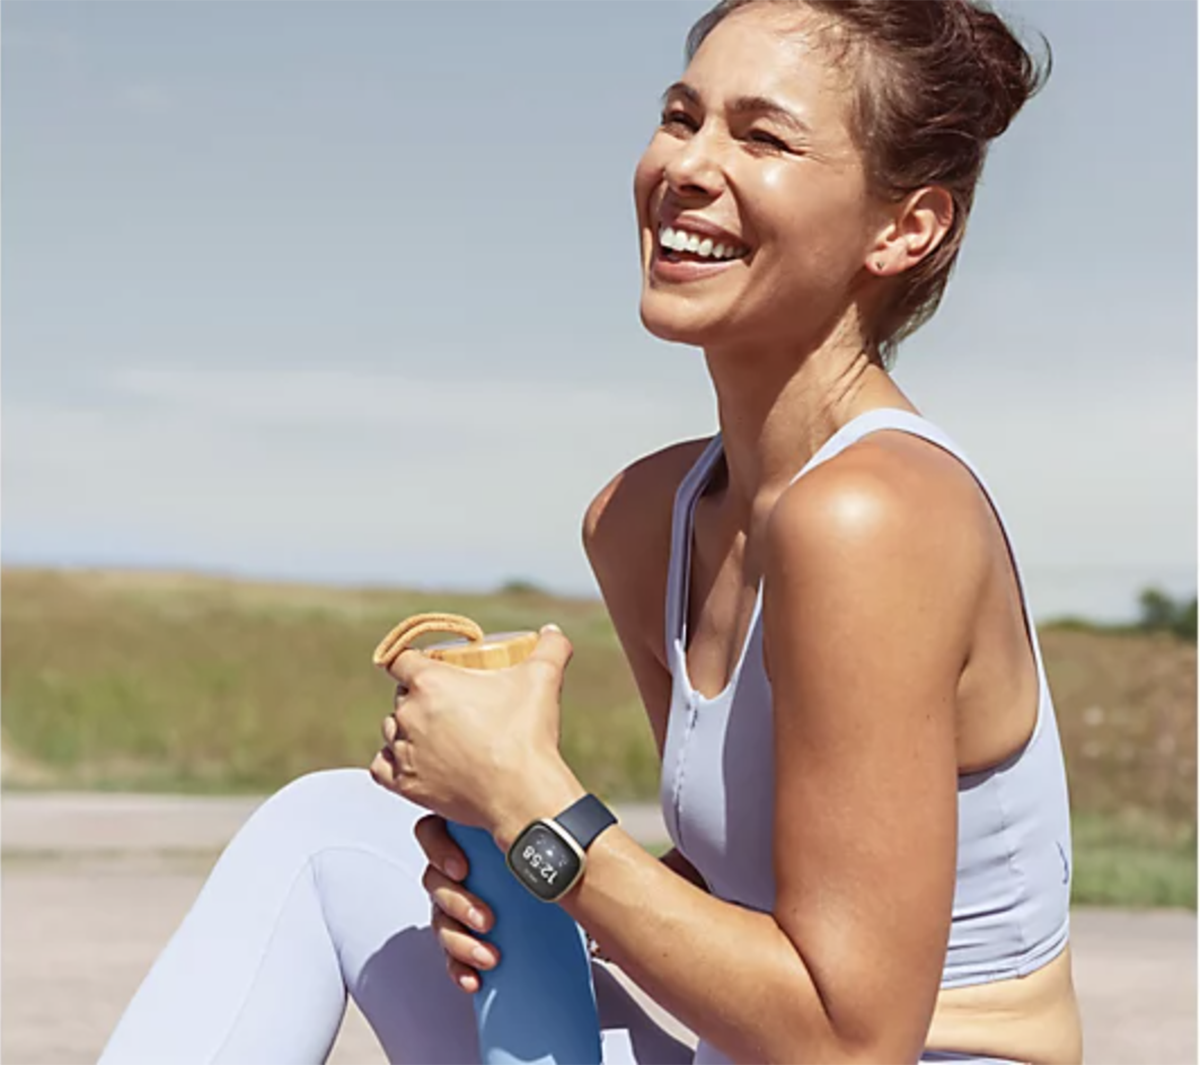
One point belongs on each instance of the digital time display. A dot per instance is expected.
(543, 862)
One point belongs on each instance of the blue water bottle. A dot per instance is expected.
(538, 1006)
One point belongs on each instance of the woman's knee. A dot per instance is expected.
(327, 785)
(335, 807)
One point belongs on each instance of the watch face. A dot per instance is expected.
(543, 862)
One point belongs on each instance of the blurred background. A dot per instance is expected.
(317, 315)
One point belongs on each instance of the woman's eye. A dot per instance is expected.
(769, 140)
(677, 120)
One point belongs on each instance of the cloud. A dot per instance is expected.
(329, 398)
(374, 475)
(330, 469)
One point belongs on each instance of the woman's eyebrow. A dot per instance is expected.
(768, 108)
(744, 105)
(682, 88)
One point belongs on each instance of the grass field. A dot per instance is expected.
(176, 682)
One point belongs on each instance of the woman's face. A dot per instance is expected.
(754, 163)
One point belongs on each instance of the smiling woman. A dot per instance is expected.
(821, 608)
(903, 98)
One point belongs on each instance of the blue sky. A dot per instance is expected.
(348, 292)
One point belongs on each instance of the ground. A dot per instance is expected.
(93, 885)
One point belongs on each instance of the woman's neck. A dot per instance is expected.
(776, 408)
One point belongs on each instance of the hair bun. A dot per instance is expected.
(1006, 66)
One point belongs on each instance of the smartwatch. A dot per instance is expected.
(549, 856)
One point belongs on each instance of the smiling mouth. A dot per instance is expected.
(680, 246)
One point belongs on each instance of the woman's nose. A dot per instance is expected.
(695, 166)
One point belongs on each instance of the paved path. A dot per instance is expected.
(104, 824)
(93, 885)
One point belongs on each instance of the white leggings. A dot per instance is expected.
(320, 895)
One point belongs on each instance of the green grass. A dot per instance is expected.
(1121, 862)
(168, 682)
(165, 682)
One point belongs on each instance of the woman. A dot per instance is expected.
(861, 767)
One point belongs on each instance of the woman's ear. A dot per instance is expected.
(918, 224)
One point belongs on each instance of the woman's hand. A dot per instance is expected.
(457, 914)
(480, 747)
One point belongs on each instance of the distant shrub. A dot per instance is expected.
(1159, 612)
(1075, 623)
(1185, 622)
(521, 586)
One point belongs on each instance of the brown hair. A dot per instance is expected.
(937, 80)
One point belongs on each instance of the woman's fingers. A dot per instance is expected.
(461, 946)
(439, 847)
(386, 767)
(463, 975)
(396, 752)
(456, 901)
(458, 915)
(390, 729)
(383, 768)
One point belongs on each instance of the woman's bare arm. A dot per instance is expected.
(627, 537)
(865, 611)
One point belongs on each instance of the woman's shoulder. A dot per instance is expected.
(627, 537)
(635, 507)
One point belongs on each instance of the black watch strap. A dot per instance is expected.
(586, 819)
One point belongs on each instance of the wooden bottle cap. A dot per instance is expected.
(496, 650)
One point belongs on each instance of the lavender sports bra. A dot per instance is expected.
(1013, 882)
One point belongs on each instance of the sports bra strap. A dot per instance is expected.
(679, 567)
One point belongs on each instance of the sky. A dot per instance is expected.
(348, 292)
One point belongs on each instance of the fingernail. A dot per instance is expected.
(551, 627)
(475, 916)
(482, 955)
(467, 983)
(455, 868)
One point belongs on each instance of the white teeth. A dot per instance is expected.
(680, 240)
